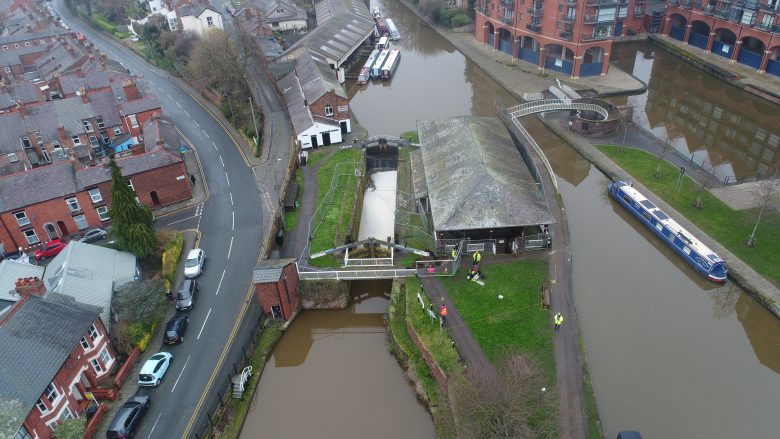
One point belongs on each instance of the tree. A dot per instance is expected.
(131, 222)
(71, 429)
(504, 403)
(666, 145)
(766, 196)
(139, 302)
(217, 63)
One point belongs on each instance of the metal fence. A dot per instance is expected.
(241, 349)
(356, 274)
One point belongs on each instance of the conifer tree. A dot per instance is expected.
(131, 222)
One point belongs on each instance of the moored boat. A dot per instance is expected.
(693, 251)
(392, 30)
(365, 72)
(376, 69)
(391, 64)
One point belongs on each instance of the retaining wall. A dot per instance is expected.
(323, 294)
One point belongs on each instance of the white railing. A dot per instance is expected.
(368, 262)
(554, 105)
(538, 150)
(356, 274)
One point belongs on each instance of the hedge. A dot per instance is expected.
(170, 257)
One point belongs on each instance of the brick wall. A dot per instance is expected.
(336, 102)
(275, 294)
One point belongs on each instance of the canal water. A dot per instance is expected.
(670, 354)
(331, 376)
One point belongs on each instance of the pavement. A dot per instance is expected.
(747, 76)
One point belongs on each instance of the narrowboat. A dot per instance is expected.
(392, 30)
(384, 43)
(376, 69)
(693, 251)
(381, 27)
(391, 64)
(365, 72)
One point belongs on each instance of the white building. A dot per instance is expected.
(199, 19)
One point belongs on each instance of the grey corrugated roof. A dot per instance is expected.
(23, 92)
(11, 271)
(88, 273)
(34, 344)
(270, 270)
(11, 130)
(342, 25)
(5, 99)
(144, 162)
(12, 55)
(36, 185)
(293, 97)
(419, 186)
(316, 78)
(281, 10)
(139, 105)
(71, 112)
(161, 129)
(476, 177)
(104, 104)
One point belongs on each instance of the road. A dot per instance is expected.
(230, 222)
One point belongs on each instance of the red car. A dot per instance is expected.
(49, 250)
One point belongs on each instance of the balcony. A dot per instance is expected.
(776, 28)
(568, 19)
(674, 2)
(510, 4)
(764, 27)
(596, 37)
(768, 8)
(534, 27)
(535, 11)
(571, 3)
(566, 35)
(751, 4)
(593, 19)
(506, 19)
(591, 3)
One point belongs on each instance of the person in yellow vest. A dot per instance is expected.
(477, 257)
(454, 254)
(558, 321)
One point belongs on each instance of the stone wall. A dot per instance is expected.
(323, 294)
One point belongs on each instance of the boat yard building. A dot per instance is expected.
(471, 177)
(342, 27)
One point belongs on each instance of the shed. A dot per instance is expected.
(291, 197)
(276, 286)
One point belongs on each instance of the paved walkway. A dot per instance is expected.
(748, 76)
(130, 387)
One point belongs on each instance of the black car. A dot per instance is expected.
(93, 236)
(128, 417)
(175, 329)
(185, 298)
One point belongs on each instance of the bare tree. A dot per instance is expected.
(666, 145)
(765, 195)
(503, 403)
(217, 63)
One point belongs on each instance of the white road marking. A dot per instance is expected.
(231, 198)
(207, 134)
(188, 114)
(183, 219)
(227, 178)
(155, 425)
(221, 161)
(182, 371)
(233, 220)
(231, 247)
(196, 122)
(214, 145)
(178, 104)
(204, 324)
(169, 96)
(219, 285)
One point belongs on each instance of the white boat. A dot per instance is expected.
(392, 30)
(391, 63)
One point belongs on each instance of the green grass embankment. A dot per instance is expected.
(729, 227)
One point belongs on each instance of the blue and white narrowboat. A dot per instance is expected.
(365, 72)
(703, 260)
(392, 30)
(376, 69)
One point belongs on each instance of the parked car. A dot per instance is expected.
(154, 369)
(93, 235)
(185, 298)
(50, 249)
(14, 255)
(175, 329)
(193, 266)
(128, 417)
(135, 38)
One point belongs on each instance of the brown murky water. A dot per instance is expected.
(736, 132)
(670, 354)
(331, 376)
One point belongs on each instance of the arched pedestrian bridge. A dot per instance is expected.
(545, 105)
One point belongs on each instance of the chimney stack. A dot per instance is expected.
(26, 286)
(131, 90)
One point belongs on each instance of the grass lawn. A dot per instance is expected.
(729, 227)
(517, 321)
(412, 136)
(335, 209)
(438, 342)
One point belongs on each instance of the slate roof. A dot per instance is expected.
(104, 105)
(316, 78)
(162, 130)
(71, 112)
(44, 118)
(12, 55)
(139, 105)
(342, 26)
(90, 273)
(26, 36)
(293, 97)
(195, 10)
(11, 130)
(270, 270)
(10, 272)
(5, 99)
(34, 344)
(476, 177)
(281, 10)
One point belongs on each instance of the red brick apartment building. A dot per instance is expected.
(569, 36)
(743, 31)
(52, 351)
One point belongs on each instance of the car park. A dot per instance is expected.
(187, 294)
(193, 266)
(128, 417)
(50, 249)
(175, 329)
(93, 235)
(154, 369)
